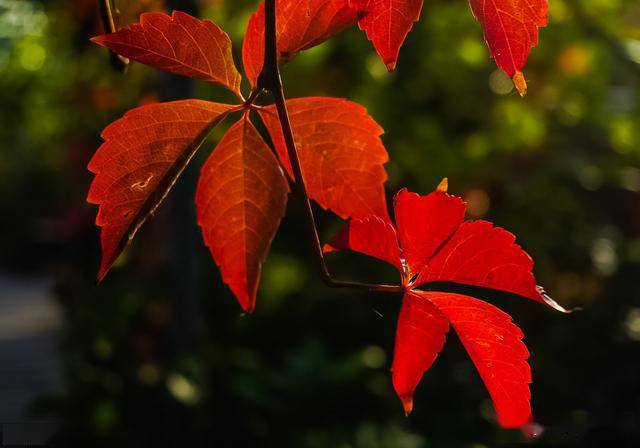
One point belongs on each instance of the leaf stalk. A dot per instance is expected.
(118, 62)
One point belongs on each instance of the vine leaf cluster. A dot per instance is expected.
(330, 149)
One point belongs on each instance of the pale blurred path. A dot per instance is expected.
(29, 322)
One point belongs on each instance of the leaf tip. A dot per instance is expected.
(546, 298)
(247, 305)
(391, 64)
(248, 311)
(102, 273)
(532, 430)
(246, 297)
(98, 40)
(520, 83)
(407, 403)
(443, 185)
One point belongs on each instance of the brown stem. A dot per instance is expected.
(270, 80)
(118, 62)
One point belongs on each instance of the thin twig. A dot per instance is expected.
(118, 62)
(270, 80)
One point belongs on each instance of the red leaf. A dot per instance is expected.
(371, 236)
(387, 23)
(419, 338)
(511, 31)
(241, 198)
(179, 44)
(437, 246)
(340, 151)
(495, 346)
(300, 24)
(424, 222)
(143, 154)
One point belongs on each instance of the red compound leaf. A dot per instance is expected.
(434, 244)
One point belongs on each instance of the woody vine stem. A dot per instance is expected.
(271, 81)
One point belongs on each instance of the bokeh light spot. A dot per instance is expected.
(500, 83)
(473, 52)
(374, 357)
(603, 256)
(32, 56)
(623, 135)
(183, 389)
(632, 324)
(630, 178)
(377, 69)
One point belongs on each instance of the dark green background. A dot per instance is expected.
(159, 355)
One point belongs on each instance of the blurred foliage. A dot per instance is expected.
(158, 355)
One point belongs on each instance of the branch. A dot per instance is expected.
(269, 79)
(118, 62)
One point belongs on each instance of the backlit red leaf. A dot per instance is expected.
(340, 151)
(420, 336)
(301, 24)
(495, 346)
(511, 31)
(371, 236)
(179, 44)
(436, 245)
(143, 154)
(241, 198)
(424, 223)
(387, 23)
